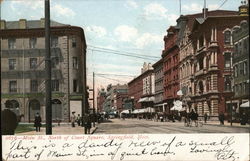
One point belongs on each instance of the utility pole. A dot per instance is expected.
(205, 9)
(48, 70)
(180, 6)
(84, 94)
(94, 99)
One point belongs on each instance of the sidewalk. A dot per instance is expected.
(63, 129)
(226, 124)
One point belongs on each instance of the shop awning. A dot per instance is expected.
(150, 109)
(125, 111)
(245, 105)
(137, 111)
(177, 106)
(162, 104)
(147, 99)
(143, 99)
(179, 93)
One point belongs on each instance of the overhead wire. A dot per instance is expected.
(150, 56)
(120, 75)
(222, 4)
(128, 55)
(112, 79)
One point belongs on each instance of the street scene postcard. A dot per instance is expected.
(125, 80)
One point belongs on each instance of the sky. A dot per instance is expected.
(130, 27)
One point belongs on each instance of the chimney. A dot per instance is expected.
(205, 12)
(42, 22)
(3, 24)
(22, 24)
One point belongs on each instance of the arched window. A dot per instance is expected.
(201, 88)
(56, 109)
(11, 104)
(227, 83)
(34, 107)
(227, 37)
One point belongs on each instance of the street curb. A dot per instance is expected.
(94, 130)
(228, 126)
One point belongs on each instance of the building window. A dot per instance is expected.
(227, 83)
(236, 50)
(12, 43)
(227, 58)
(12, 64)
(75, 63)
(241, 68)
(200, 63)
(55, 85)
(73, 42)
(245, 45)
(236, 71)
(54, 42)
(33, 86)
(32, 43)
(13, 86)
(75, 84)
(247, 88)
(33, 63)
(201, 41)
(245, 68)
(227, 38)
(240, 88)
(54, 62)
(201, 88)
(244, 88)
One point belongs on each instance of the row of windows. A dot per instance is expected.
(34, 63)
(241, 47)
(33, 42)
(33, 86)
(241, 88)
(241, 69)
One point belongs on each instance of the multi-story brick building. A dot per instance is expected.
(211, 51)
(121, 97)
(101, 100)
(186, 65)
(141, 89)
(170, 56)
(240, 41)
(158, 70)
(23, 67)
(110, 103)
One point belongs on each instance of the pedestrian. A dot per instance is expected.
(205, 117)
(221, 118)
(37, 122)
(9, 122)
(196, 118)
(87, 122)
(78, 120)
(73, 119)
(244, 119)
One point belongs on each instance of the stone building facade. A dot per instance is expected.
(141, 89)
(112, 97)
(158, 70)
(240, 41)
(23, 67)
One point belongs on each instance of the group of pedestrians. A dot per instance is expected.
(190, 117)
(86, 120)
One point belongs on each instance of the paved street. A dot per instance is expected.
(64, 129)
(133, 126)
